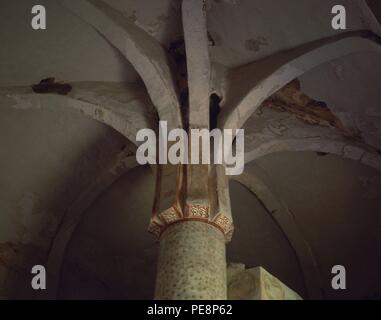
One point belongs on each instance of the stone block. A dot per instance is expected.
(256, 284)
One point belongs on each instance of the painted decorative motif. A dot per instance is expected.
(155, 229)
(198, 212)
(170, 215)
(225, 224)
(223, 221)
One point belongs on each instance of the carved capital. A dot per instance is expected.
(225, 224)
(193, 212)
(197, 211)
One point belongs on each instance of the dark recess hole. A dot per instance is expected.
(214, 110)
(50, 85)
(322, 154)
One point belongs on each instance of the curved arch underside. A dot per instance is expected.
(73, 215)
(273, 131)
(278, 210)
(249, 86)
(123, 107)
(146, 55)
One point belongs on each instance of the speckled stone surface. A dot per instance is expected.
(192, 263)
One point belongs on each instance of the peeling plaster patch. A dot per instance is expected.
(292, 100)
(277, 128)
(255, 44)
(155, 27)
(348, 121)
(152, 28)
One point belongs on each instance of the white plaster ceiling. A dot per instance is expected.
(351, 88)
(68, 49)
(48, 157)
(161, 19)
(246, 30)
(336, 205)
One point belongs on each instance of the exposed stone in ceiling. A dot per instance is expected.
(291, 99)
(351, 88)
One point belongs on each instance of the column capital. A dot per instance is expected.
(193, 212)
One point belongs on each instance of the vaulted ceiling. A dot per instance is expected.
(73, 198)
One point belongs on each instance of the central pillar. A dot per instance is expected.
(192, 263)
(192, 236)
(191, 215)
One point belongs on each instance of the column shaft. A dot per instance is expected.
(192, 263)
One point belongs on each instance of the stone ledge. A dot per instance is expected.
(256, 284)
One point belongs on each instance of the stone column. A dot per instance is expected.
(192, 261)
(192, 216)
